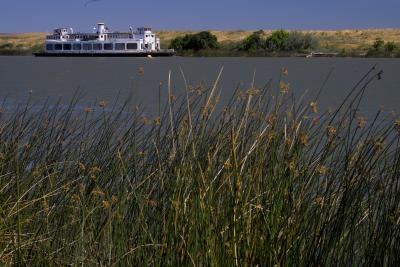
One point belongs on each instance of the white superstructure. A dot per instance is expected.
(103, 41)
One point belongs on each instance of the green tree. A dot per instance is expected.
(277, 40)
(390, 47)
(377, 48)
(378, 44)
(198, 41)
(254, 41)
(178, 43)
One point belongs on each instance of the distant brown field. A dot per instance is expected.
(22, 40)
(338, 39)
(348, 39)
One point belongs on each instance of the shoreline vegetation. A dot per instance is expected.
(343, 43)
(265, 180)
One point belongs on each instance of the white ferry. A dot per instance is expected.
(102, 42)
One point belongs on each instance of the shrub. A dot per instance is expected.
(276, 41)
(298, 41)
(254, 41)
(390, 47)
(178, 43)
(378, 44)
(7, 46)
(379, 48)
(198, 41)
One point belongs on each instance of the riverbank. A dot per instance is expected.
(354, 43)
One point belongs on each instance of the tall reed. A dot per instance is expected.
(265, 180)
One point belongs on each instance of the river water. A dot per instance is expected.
(114, 79)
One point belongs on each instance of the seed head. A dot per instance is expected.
(284, 71)
(379, 144)
(330, 131)
(271, 118)
(105, 204)
(98, 192)
(397, 125)
(114, 199)
(172, 97)
(103, 104)
(81, 166)
(352, 158)
(322, 170)
(157, 121)
(292, 165)
(46, 204)
(361, 122)
(253, 92)
(284, 87)
(225, 110)
(271, 135)
(94, 170)
(303, 139)
(145, 120)
(66, 188)
(314, 107)
(314, 122)
(75, 197)
(36, 173)
(288, 142)
(227, 164)
(319, 201)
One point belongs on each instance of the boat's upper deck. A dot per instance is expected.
(141, 39)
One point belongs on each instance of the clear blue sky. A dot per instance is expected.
(44, 15)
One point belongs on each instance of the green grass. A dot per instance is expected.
(262, 181)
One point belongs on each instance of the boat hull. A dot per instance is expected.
(141, 54)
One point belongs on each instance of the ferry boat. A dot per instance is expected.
(101, 42)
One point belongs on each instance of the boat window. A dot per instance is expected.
(58, 47)
(108, 46)
(77, 46)
(119, 46)
(87, 47)
(97, 47)
(49, 47)
(131, 46)
(66, 46)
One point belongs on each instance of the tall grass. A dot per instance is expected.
(265, 180)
